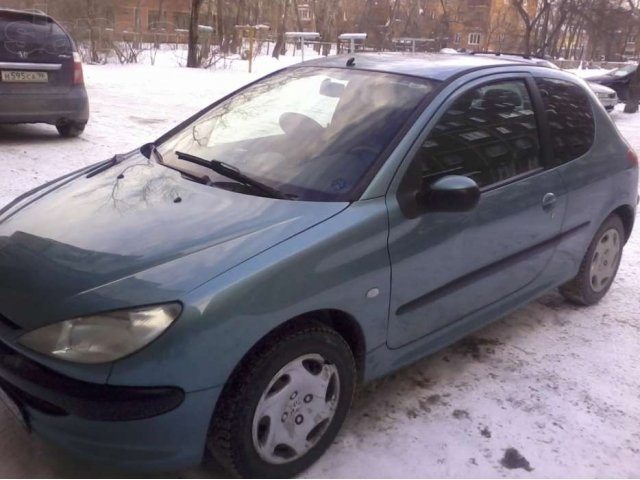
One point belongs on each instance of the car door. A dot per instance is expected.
(447, 265)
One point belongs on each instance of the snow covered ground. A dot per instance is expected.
(551, 390)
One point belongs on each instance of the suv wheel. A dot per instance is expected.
(285, 404)
(70, 129)
(599, 266)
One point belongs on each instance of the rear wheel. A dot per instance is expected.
(599, 266)
(70, 129)
(285, 404)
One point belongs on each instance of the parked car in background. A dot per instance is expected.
(41, 78)
(617, 80)
(606, 96)
(226, 287)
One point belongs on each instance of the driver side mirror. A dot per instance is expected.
(453, 193)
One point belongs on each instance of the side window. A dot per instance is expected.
(570, 118)
(489, 134)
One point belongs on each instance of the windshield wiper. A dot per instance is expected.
(234, 174)
(155, 152)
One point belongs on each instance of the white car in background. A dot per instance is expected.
(607, 96)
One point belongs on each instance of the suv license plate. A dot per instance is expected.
(24, 77)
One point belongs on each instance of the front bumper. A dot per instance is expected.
(607, 102)
(38, 387)
(147, 429)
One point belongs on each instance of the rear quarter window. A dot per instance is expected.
(570, 118)
(30, 37)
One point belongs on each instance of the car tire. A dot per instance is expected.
(70, 129)
(270, 420)
(599, 265)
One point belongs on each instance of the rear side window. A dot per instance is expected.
(570, 118)
(489, 134)
(26, 37)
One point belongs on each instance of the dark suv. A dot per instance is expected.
(618, 80)
(41, 79)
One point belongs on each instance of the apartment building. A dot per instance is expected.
(150, 15)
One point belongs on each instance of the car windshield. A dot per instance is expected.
(622, 71)
(311, 133)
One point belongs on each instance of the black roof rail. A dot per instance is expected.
(513, 54)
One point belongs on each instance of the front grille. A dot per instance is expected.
(612, 95)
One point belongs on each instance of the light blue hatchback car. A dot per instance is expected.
(226, 288)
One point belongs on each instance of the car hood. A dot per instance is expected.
(603, 79)
(135, 234)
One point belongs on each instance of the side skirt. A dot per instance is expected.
(384, 360)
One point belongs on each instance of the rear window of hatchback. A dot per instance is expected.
(27, 37)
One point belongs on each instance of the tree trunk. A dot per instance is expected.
(527, 40)
(631, 105)
(278, 49)
(192, 57)
(220, 24)
(297, 12)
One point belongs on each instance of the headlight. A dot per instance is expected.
(104, 337)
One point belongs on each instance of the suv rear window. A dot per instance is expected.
(31, 37)
(570, 118)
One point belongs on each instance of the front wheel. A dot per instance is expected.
(599, 265)
(285, 404)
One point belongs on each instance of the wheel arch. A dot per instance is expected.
(627, 215)
(342, 322)
(220, 422)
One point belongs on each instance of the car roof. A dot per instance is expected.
(437, 66)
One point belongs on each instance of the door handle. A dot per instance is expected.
(549, 202)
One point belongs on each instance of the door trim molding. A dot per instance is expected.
(487, 271)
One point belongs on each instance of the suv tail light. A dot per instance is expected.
(632, 156)
(78, 76)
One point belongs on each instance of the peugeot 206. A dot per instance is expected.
(226, 288)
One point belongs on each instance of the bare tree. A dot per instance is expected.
(194, 26)
(283, 8)
(530, 19)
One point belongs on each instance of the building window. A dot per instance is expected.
(474, 39)
(456, 38)
(155, 21)
(304, 12)
(110, 14)
(181, 21)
